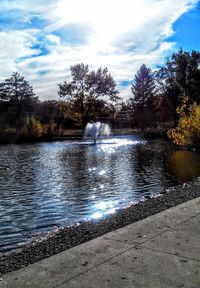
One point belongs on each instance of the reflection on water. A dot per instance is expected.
(49, 184)
(185, 165)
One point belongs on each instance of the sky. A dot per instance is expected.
(41, 39)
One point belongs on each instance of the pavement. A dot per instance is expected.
(161, 251)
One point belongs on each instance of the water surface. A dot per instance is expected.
(46, 185)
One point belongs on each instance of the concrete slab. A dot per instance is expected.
(54, 270)
(2, 283)
(183, 240)
(191, 207)
(140, 268)
(141, 231)
(166, 255)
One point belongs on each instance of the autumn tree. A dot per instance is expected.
(31, 128)
(143, 89)
(88, 92)
(180, 77)
(187, 132)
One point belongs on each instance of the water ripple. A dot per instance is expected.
(46, 185)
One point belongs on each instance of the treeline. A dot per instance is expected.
(157, 95)
(171, 96)
(23, 117)
(92, 95)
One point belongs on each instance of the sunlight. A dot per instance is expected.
(108, 19)
(102, 172)
(102, 205)
(97, 215)
(109, 145)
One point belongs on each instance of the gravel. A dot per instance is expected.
(67, 237)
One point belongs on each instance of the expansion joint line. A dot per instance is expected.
(168, 253)
(89, 269)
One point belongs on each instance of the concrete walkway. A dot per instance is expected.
(162, 251)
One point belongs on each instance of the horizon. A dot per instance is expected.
(42, 41)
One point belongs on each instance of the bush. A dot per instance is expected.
(50, 128)
(187, 132)
(31, 128)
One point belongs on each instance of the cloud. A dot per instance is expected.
(14, 45)
(43, 40)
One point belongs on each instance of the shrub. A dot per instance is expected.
(49, 128)
(32, 128)
(187, 132)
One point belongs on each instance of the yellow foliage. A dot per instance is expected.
(32, 128)
(187, 132)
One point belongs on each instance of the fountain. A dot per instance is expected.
(77, 182)
(95, 130)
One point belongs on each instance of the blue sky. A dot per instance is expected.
(42, 38)
(187, 30)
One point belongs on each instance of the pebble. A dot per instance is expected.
(68, 237)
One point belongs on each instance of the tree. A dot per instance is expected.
(48, 111)
(88, 91)
(180, 77)
(143, 90)
(17, 98)
(31, 128)
(162, 108)
(187, 132)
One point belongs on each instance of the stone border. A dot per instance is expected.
(68, 237)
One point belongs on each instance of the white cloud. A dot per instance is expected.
(122, 35)
(14, 45)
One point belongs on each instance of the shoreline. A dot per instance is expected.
(67, 237)
(77, 134)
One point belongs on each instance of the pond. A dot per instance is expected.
(45, 185)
